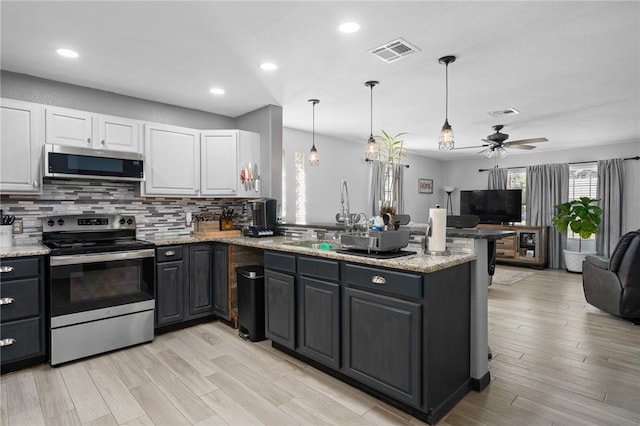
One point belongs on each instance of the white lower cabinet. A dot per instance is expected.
(20, 147)
(172, 161)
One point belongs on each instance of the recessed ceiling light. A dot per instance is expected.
(268, 66)
(67, 53)
(216, 91)
(349, 27)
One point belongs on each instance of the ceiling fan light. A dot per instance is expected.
(445, 140)
(502, 152)
(373, 149)
(488, 153)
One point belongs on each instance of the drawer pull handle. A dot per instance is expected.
(170, 253)
(377, 279)
(7, 342)
(4, 269)
(7, 300)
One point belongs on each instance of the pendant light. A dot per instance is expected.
(314, 158)
(445, 141)
(373, 149)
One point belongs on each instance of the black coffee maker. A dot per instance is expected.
(262, 214)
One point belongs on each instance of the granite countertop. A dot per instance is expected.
(31, 249)
(418, 262)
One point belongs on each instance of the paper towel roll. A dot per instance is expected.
(438, 240)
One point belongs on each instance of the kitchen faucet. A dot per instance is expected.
(344, 215)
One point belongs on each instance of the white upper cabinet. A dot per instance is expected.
(224, 155)
(20, 147)
(219, 162)
(172, 161)
(87, 130)
(118, 134)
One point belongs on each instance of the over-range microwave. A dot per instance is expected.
(71, 162)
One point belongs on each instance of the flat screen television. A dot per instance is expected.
(493, 205)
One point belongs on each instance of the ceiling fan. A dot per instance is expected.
(497, 142)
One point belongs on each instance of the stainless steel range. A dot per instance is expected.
(100, 285)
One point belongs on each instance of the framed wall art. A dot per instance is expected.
(425, 186)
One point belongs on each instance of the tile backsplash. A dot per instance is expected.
(156, 217)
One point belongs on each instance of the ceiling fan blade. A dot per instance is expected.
(469, 147)
(483, 151)
(521, 146)
(533, 140)
(491, 142)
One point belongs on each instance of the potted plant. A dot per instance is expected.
(582, 216)
(389, 184)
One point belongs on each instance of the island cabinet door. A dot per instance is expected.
(319, 321)
(279, 299)
(382, 344)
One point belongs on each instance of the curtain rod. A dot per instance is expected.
(577, 162)
(371, 161)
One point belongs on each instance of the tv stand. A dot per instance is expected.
(527, 248)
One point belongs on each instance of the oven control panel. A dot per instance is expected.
(87, 222)
(93, 221)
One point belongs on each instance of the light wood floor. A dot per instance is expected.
(556, 360)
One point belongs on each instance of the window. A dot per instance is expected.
(301, 189)
(583, 182)
(517, 179)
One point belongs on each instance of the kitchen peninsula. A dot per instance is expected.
(410, 330)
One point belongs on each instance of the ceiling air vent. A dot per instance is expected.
(394, 50)
(504, 112)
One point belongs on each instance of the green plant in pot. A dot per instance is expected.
(390, 161)
(583, 217)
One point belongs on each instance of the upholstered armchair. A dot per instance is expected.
(613, 284)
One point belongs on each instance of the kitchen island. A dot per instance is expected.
(400, 328)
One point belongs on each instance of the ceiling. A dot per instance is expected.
(572, 69)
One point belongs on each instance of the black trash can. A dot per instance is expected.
(251, 302)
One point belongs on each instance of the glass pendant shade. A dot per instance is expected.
(373, 149)
(445, 141)
(314, 157)
(488, 153)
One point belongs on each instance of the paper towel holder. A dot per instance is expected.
(425, 243)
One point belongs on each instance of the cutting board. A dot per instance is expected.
(232, 233)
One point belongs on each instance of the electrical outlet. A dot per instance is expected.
(17, 226)
(188, 218)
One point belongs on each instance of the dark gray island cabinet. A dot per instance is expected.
(403, 337)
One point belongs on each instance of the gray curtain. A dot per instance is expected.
(548, 185)
(610, 177)
(498, 178)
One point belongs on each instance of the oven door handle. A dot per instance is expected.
(77, 259)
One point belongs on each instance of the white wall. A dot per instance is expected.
(268, 122)
(344, 160)
(464, 174)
